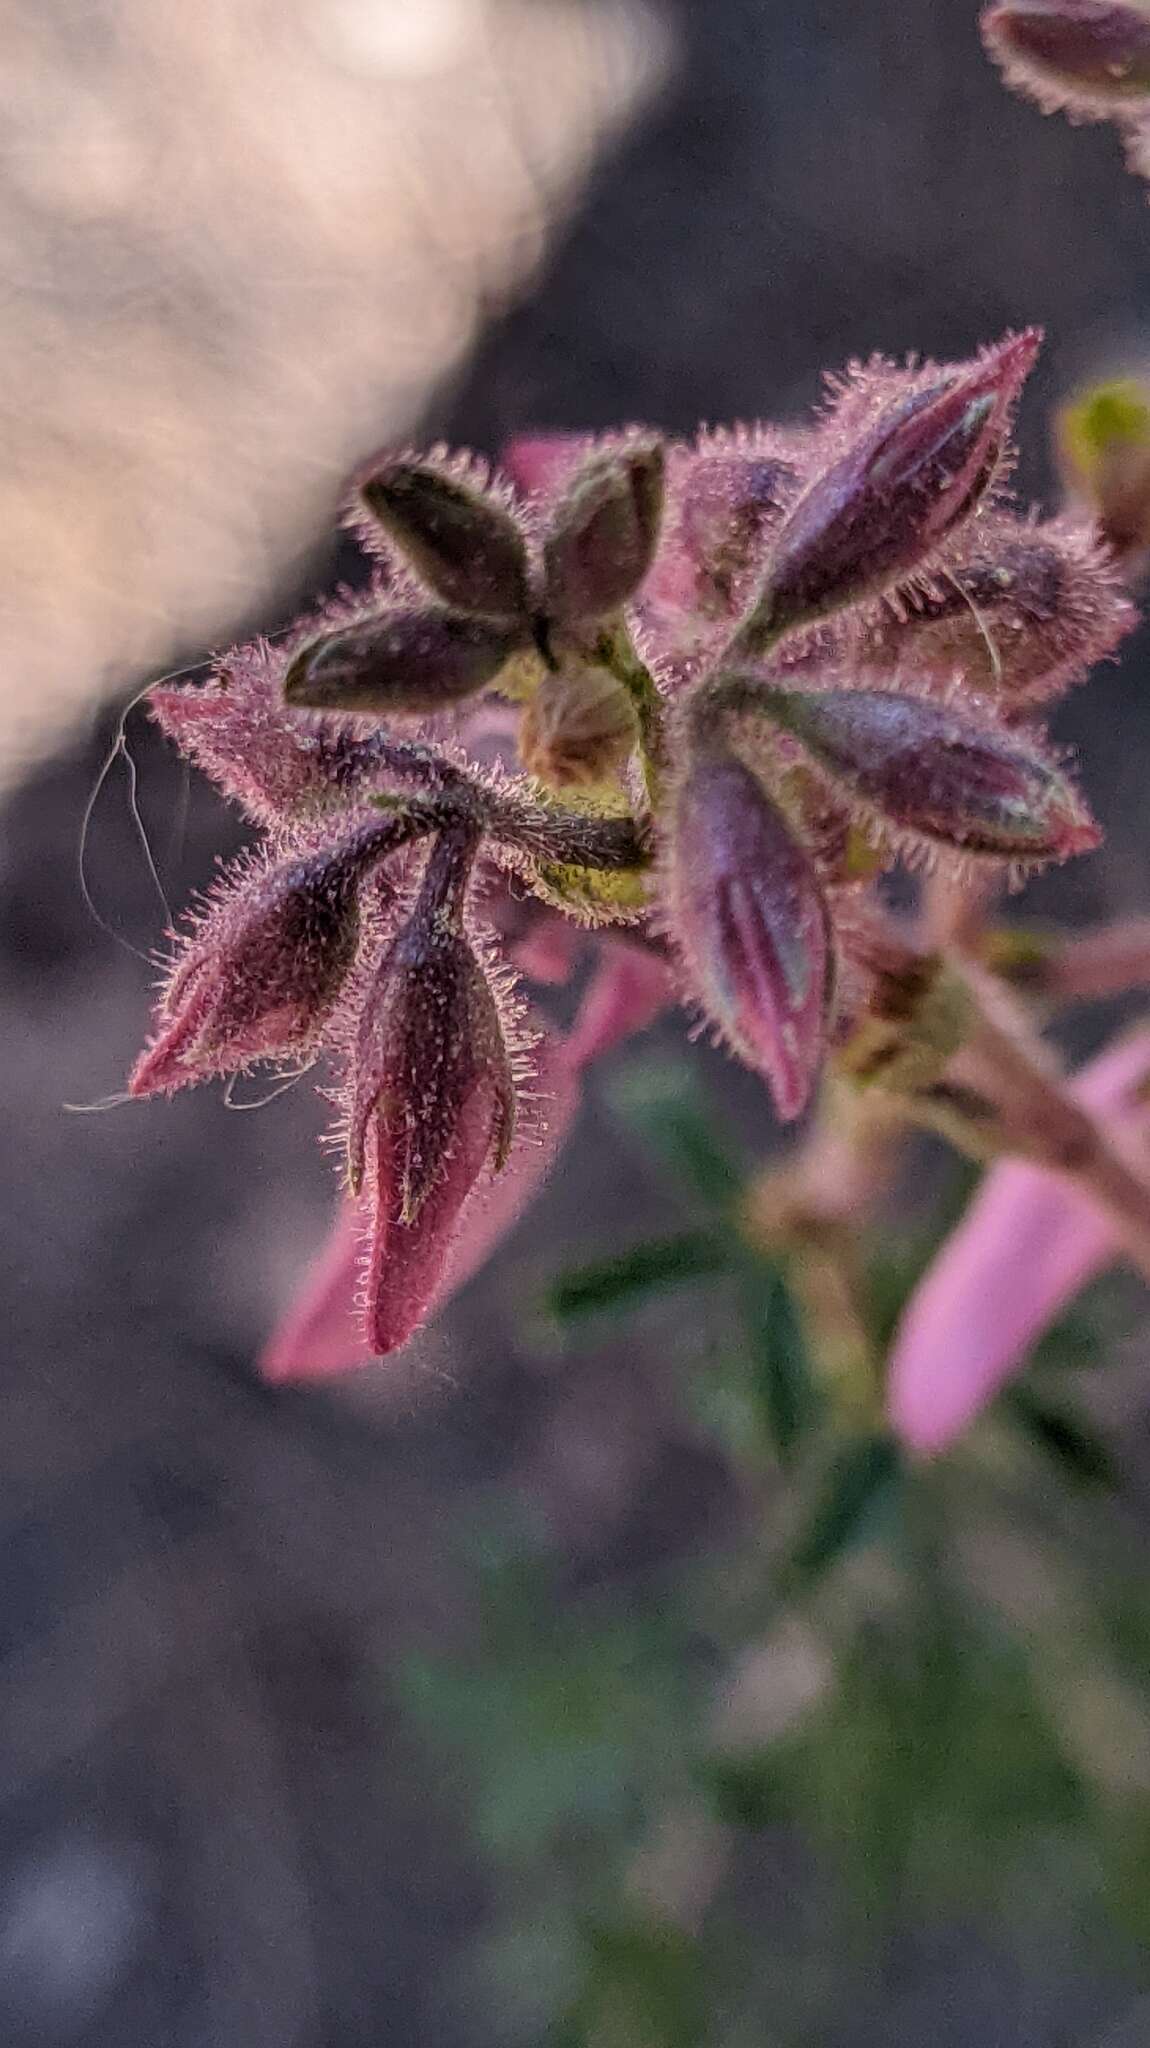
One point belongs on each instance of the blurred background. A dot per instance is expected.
(329, 1718)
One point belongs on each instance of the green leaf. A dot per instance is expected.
(650, 1268)
(663, 1102)
(862, 1480)
(745, 1791)
(645, 1988)
(782, 1382)
(1082, 1456)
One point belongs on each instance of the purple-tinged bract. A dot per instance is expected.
(603, 533)
(401, 661)
(462, 543)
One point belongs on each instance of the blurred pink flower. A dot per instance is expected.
(320, 1334)
(1029, 1242)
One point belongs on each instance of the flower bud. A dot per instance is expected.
(937, 771)
(1091, 57)
(725, 498)
(260, 976)
(462, 543)
(430, 1041)
(402, 661)
(1104, 450)
(604, 531)
(883, 508)
(1026, 614)
(746, 912)
(578, 728)
(432, 1104)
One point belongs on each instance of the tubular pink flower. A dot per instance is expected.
(1029, 1242)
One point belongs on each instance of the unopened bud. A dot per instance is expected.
(462, 542)
(746, 911)
(604, 531)
(260, 976)
(1023, 617)
(578, 728)
(883, 508)
(724, 501)
(1104, 449)
(429, 1041)
(402, 661)
(1091, 57)
(937, 771)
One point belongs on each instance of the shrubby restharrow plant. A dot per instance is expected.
(682, 703)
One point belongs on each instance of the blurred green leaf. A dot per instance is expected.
(664, 1103)
(746, 1791)
(650, 1268)
(1066, 1439)
(781, 1377)
(861, 1481)
(645, 1989)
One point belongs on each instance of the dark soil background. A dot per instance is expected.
(217, 1831)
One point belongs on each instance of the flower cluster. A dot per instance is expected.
(682, 704)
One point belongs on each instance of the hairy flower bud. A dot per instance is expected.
(464, 545)
(604, 531)
(883, 508)
(1026, 614)
(1090, 57)
(260, 976)
(432, 1104)
(579, 727)
(402, 661)
(724, 499)
(937, 771)
(429, 1041)
(745, 910)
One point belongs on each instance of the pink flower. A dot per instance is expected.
(1029, 1242)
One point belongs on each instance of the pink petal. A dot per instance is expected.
(626, 993)
(539, 462)
(1029, 1242)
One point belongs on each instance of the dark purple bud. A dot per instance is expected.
(604, 531)
(725, 497)
(1026, 614)
(431, 1099)
(938, 771)
(883, 508)
(402, 661)
(430, 1044)
(463, 544)
(260, 975)
(1091, 57)
(748, 916)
